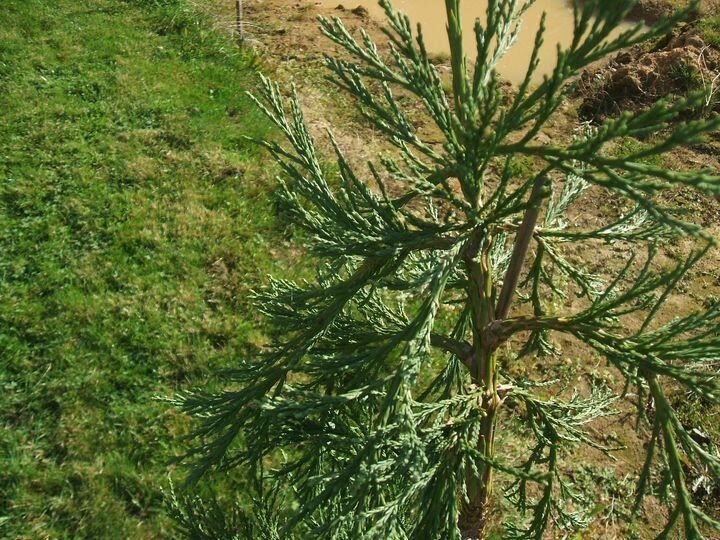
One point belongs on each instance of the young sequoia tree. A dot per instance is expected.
(443, 269)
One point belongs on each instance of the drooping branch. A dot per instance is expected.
(672, 453)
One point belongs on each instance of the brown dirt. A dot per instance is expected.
(651, 10)
(292, 49)
(637, 78)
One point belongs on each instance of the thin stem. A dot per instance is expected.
(239, 21)
(647, 466)
(663, 411)
(522, 243)
(457, 55)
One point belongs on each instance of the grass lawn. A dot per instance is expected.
(133, 219)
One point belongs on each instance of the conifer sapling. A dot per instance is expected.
(443, 272)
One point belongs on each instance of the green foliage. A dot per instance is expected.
(133, 216)
(457, 250)
(687, 76)
(710, 30)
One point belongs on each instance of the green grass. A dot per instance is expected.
(709, 28)
(134, 218)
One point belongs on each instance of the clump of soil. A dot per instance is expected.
(680, 63)
(359, 11)
(652, 10)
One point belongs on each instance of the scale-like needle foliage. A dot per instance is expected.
(375, 410)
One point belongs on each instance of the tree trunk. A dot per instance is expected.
(474, 514)
(472, 520)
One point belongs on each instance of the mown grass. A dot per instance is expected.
(134, 218)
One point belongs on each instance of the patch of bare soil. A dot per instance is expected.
(636, 78)
(651, 10)
(291, 48)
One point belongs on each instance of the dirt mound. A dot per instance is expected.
(680, 63)
(651, 10)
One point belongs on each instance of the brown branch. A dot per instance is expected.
(461, 349)
(522, 243)
(499, 331)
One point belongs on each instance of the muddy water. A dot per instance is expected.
(431, 15)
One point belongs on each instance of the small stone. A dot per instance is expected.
(360, 11)
(543, 138)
